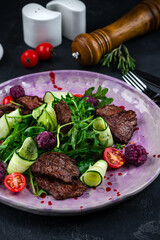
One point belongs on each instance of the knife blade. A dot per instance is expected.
(151, 79)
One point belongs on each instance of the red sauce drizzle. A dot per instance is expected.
(81, 207)
(110, 198)
(107, 178)
(104, 176)
(59, 88)
(119, 174)
(115, 190)
(158, 156)
(108, 189)
(43, 195)
(42, 201)
(154, 155)
(122, 107)
(109, 183)
(75, 198)
(111, 174)
(52, 78)
(49, 203)
(118, 194)
(137, 128)
(94, 188)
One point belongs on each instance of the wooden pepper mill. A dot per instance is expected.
(88, 49)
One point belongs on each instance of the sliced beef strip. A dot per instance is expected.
(63, 114)
(56, 165)
(122, 123)
(7, 108)
(58, 189)
(29, 103)
(108, 110)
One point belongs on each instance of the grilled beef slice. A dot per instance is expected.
(29, 103)
(122, 123)
(58, 189)
(63, 114)
(58, 174)
(7, 108)
(56, 165)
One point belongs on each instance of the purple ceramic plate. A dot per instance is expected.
(118, 184)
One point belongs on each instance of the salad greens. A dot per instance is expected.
(80, 143)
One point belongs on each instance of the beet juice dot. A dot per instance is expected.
(108, 189)
(119, 174)
(49, 203)
(43, 195)
(109, 183)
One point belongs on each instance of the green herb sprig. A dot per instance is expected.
(120, 58)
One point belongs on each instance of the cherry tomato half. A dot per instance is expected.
(7, 99)
(29, 58)
(15, 182)
(77, 95)
(45, 51)
(113, 157)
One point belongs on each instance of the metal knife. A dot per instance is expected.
(151, 79)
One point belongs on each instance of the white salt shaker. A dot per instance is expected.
(73, 16)
(41, 25)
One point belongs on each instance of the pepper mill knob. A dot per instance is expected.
(143, 18)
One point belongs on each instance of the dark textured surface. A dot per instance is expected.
(137, 218)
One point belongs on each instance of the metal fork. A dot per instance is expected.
(131, 79)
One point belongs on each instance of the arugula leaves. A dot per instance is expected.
(81, 142)
(100, 95)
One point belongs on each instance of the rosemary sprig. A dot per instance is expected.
(120, 58)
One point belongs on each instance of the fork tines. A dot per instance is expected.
(134, 81)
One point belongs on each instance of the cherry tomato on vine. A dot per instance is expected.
(7, 99)
(29, 58)
(45, 51)
(15, 182)
(113, 157)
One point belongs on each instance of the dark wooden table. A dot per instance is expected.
(137, 218)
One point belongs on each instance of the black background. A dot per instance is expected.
(137, 218)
